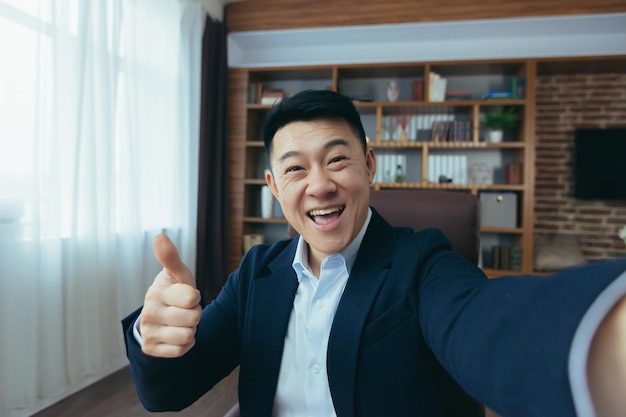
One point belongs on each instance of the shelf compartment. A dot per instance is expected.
(478, 80)
(255, 163)
(371, 83)
(501, 252)
(474, 165)
(426, 123)
(270, 232)
(252, 203)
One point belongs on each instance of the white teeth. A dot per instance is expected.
(324, 212)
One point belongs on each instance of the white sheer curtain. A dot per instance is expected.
(99, 119)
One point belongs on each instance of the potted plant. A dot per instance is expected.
(498, 120)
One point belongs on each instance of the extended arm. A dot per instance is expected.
(507, 340)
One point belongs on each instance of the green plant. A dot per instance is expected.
(502, 119)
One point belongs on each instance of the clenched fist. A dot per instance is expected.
(171, 310)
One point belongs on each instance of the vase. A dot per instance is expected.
(267, 202)
(392, 91)
(495, 136)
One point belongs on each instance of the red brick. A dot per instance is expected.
(565, 103)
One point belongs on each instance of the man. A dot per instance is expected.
(355, 317)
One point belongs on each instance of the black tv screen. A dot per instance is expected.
(600, 164)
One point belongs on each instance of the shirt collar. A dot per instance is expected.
(301, 257)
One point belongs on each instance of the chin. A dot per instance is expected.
(329, 244)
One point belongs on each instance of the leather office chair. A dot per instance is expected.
(456, 214)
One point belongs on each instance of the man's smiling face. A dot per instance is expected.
(321, 176)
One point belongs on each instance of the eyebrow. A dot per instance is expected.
(330, 144)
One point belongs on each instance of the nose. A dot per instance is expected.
(320, 183)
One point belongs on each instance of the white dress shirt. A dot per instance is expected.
(303, 389)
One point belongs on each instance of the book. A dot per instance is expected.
(458, 95)
(506, 258)
(250, 240)
(436, 87)
(517, 87)
(417, 90)
(515, 258)
(466, 127)
(439, 131)
(514, 173)
(497, 94)
(254, 92)
(272, 96)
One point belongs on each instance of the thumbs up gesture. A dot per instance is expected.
(171, 310)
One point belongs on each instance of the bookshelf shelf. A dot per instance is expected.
(254, 181)
(281, 221)
(258, 106)
(517, 230)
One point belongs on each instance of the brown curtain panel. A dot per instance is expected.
(211, 266)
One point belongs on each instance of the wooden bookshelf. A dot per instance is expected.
(368, 83)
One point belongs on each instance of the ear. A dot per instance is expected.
(271, 182)
(370, 162)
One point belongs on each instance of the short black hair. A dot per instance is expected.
(312, 105)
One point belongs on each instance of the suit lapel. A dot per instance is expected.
(367, 276)
(270, 305)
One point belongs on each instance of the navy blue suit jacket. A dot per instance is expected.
(416, 323)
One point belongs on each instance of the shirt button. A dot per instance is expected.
(315, 368)
(320, 303)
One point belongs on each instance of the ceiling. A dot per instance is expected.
(538, 37)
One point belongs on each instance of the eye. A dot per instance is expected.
(337, 159)
(292, 169)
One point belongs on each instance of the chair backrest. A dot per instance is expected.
(456, 214)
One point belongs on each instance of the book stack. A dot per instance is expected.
(514, 173)
(250, 240)
(436, 87)
(458, 95)
(516, 88)
(423, 126)
(507, 258)
(497, 95)
(271, 97)
(452, 131)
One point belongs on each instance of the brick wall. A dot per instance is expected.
(564, 103)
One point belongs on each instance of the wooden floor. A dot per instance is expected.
(115, 395)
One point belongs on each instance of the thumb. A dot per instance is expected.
(167, 255)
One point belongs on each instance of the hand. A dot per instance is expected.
(606, 365)
(171, 310)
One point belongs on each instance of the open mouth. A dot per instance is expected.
(327, 215)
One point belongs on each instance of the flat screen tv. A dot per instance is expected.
(600, 164)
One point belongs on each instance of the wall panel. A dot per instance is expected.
(253, 15)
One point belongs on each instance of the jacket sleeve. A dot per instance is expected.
(506, 341)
